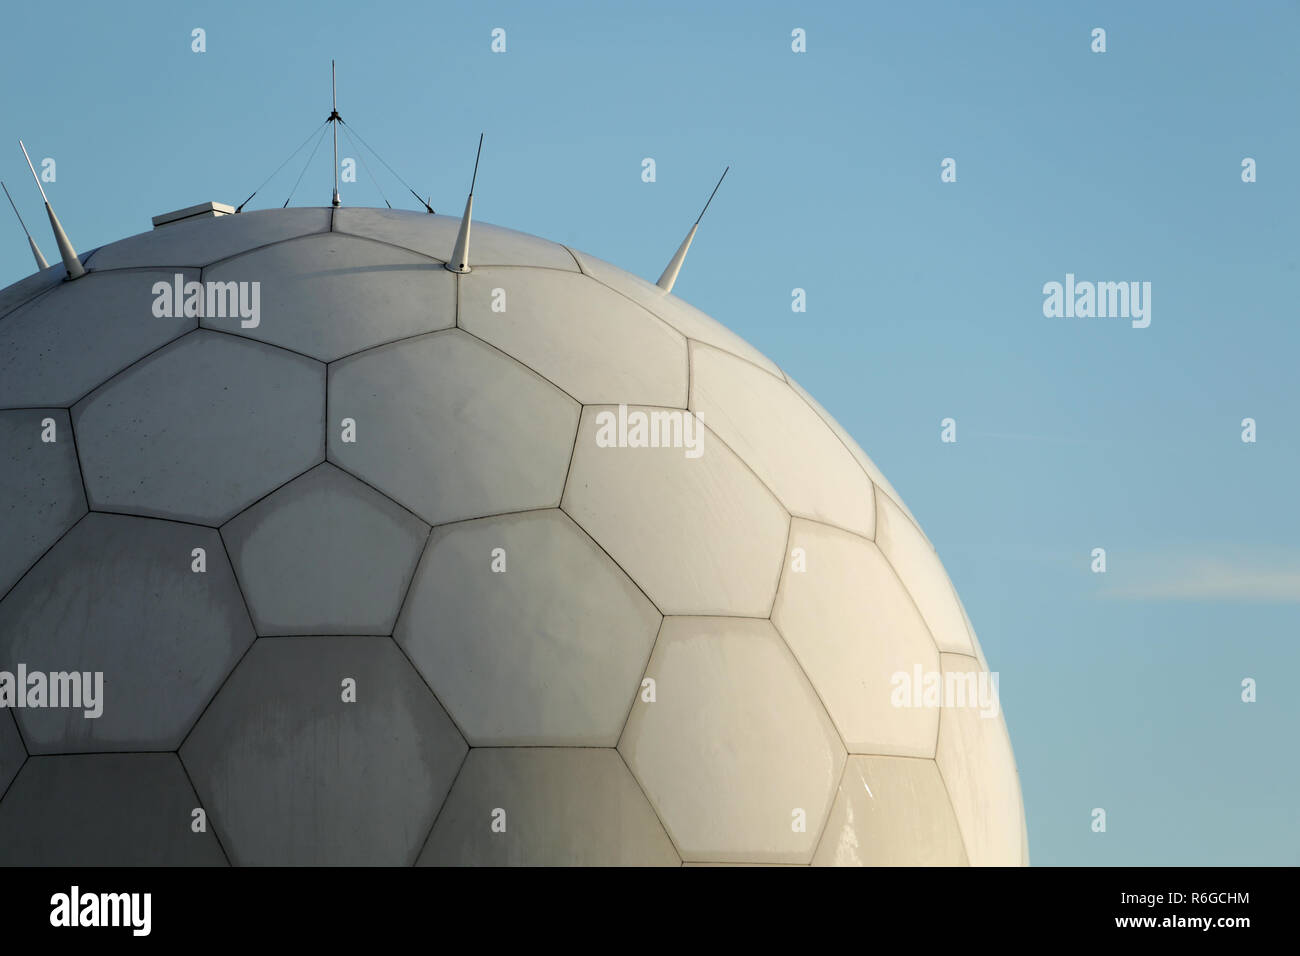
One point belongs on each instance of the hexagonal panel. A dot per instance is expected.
(774, 432)
(891, 811)
(590, 341)
(734, 745)
(293, 775)
(330, 295)
(200, 430)
(40, 488)
(57, 348)
(875, 474)
(860, 640)
(203, 241)
(923, 575)
(104, 810)
(435, 236)
(741, 865)
(678, 313)
(29, 287)
(548, 651)
(699, 535)
(979, 770)
(12, 752)
(451, 428)
(1024, 835)
(325, 555)
(970, 629)
(562, 807)
(118, 595)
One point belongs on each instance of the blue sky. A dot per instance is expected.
(1121, 690)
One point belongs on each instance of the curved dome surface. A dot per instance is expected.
(535, 564)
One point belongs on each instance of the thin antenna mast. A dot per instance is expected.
(459, 261)
(335, 119)
(71, 264)
(669, 277)
(41, 264)
(711, 195)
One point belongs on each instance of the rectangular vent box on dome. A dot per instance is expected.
(207, 210)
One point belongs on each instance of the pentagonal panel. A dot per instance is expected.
(119, 596)
(891, 811)
(875, 474)
(56, 349)
(294, 774)
(701, 535)
(923, 575)
(860, 640)
(104, 810)
(325, 555)
(435, 236)
(451, 428)
(590, 341)
(40, 487)
(736, 753)
(330, 295)
(682, 316)
(203, 241)
(201, 429)
(979, 770)
(775, 432)
(558, 807)
(548, 648)
(12, 752)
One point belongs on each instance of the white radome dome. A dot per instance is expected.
(401, 481)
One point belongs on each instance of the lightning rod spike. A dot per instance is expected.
(71, 263)
(669, 277)
(41, 264)
(459, 261)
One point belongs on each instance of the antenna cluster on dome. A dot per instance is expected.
(460, 259)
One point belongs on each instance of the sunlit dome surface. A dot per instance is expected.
(561, 652)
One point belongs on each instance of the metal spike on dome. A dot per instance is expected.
(41, 264)
(71, 263)
(459, 261)
(669, 277)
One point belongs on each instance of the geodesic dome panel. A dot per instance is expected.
(536, 564)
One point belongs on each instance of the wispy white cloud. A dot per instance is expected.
(1058, 439)
(1269, 579)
